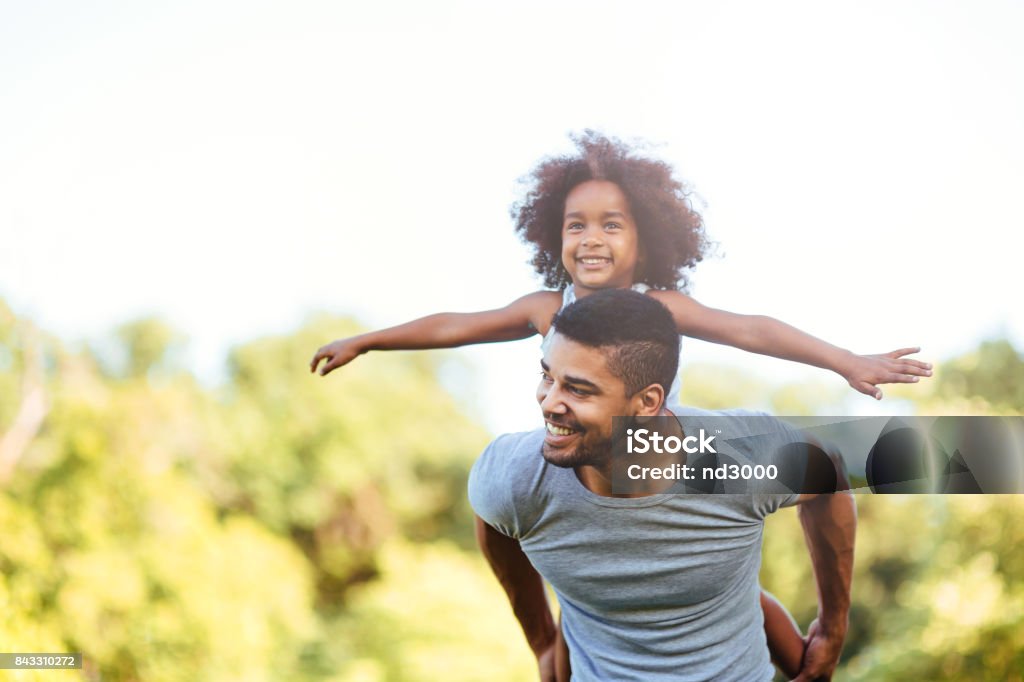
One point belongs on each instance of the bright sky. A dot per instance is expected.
(234, 166)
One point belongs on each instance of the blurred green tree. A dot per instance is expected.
(286, 526)
(938, 589)
(994, 372)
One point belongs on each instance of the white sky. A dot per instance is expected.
(236, 166)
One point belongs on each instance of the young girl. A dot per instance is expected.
(606, 217)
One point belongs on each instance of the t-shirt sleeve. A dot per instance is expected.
(491, 487)
(787, 452)
(769, 503)
(759, 438)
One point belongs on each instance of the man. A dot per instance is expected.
(652, 585)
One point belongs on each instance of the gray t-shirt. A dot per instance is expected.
(652, 588)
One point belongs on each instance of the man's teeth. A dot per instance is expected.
(558, 430)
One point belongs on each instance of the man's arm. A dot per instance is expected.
(830, 526)
(525, 590)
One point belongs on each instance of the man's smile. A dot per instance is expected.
(558, 435)
(559, 430)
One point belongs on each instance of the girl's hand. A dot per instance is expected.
(337, 353)
(546, 667)
(865, 372)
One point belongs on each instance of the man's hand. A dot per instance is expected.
(337, 354)
(821, 655)
(865, 372)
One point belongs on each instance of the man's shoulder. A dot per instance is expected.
(744, 429)
(509, 459)
(690, 411)
(501, 476)
(750, 437)
(520, 447)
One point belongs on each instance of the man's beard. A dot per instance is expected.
(581, 455)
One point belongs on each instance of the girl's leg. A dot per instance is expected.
(562, 670)
(785, 642)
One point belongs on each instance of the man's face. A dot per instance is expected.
(578, 396)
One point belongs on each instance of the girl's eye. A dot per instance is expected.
(574, 227)
(613, 226)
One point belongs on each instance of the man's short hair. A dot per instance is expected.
(635, 332)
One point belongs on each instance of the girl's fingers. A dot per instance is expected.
(903, 351)
(320, 355)
(868, 389)
(915, 369)
(895, 377)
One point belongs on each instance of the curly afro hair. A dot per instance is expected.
(671, 232)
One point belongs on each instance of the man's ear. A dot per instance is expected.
(647, 402)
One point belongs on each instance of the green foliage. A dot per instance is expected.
(435, 613)
(938, 590)
(171, 532)
(341, 464)
(993, 373)
(717, 387)
(142, 348)
(126, 559)
(287, 526)
(148, 343)
(960, 614)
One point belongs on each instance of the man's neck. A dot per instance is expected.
(598, 479)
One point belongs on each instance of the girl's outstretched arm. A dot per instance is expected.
(768, 336)
(520, 319)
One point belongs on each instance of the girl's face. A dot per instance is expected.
(600, 243)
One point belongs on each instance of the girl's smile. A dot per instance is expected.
(600, 244)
